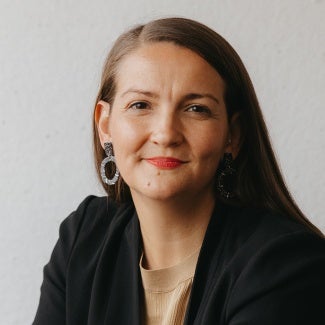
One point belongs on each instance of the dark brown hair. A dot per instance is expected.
(259, 180)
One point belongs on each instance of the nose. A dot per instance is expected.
(167, 129)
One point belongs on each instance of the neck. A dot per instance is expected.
(172, 230)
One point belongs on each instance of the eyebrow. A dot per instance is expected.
(139, 91)
(190, 96)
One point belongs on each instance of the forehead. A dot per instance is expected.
(164, 63)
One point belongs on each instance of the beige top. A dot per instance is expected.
(167, 291)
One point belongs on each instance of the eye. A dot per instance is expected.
(139, 105)
(200, 109)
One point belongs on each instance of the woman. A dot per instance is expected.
(198, 226)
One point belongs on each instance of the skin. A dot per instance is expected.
(169, 103)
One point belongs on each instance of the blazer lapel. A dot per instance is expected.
(116, 295)
(207, 268)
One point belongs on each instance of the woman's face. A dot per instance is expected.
(168, 123)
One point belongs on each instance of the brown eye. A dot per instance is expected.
(199, 109)
(139, 105)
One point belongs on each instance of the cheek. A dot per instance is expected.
(210, 149)
(127, 137)
(122, 131)
(211, 144)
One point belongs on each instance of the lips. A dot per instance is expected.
(165, 162)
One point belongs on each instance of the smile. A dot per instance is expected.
(165, 162)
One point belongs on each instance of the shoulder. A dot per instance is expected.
(93, 206)
(267, 237)
(89, 221)
(250, 237)
(81, 236)
(262, 227)
(83, 232)
(276, 260)
(91, 211)
(273, 238)
(95, 219)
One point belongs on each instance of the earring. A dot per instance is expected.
(110, 158)
(225, 177)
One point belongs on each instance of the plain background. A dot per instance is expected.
(51, 55)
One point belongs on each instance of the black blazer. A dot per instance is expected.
(255, 268)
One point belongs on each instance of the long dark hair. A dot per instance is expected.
(259, 181)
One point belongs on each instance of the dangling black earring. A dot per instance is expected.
(226, 177)
(110, 158)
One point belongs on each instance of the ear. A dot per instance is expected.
(102, 112)
(234, 137)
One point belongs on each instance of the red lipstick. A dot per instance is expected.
(165, 162)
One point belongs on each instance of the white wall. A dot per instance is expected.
(51, 54)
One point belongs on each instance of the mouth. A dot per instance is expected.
(165, 162)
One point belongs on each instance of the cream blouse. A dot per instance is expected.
(167, 291)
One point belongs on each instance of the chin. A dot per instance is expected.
(158, 192)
